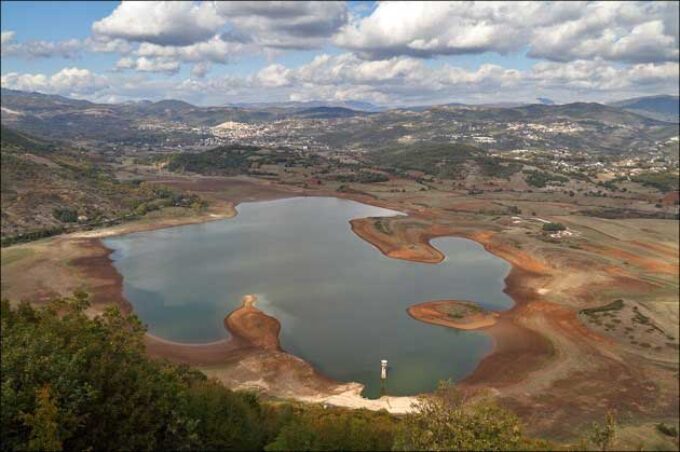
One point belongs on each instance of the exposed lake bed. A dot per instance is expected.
(341, 303)
(532, 344)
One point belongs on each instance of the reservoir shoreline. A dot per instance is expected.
(412, 245)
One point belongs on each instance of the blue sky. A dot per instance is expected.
(386, 53)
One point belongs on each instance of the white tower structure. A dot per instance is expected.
(383, 369)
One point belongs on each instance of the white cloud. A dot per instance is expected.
(108, 45)
(69, 48)
(70, 81)
(6, 37)
(214, 50)
(408, 79)
(285, 24)
(347, 69)
(431, 28)
(144, 64)
(200, 70)
(163, 23)
(617, 31)
(392, 81)
(274, 75)
(560, 31)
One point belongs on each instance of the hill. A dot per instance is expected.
(327, 113)
(174, 124)
(662, 108)
(48, 188)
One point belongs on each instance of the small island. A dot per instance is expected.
(462, 315)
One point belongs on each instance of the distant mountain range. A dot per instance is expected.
(662, 108)
(620, 127)
(350, 104)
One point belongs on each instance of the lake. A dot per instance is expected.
(341, 302)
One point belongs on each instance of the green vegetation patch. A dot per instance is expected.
(237, 159)
(553, 227)
(460, 309)
(383, 226)
(540, 179)
(493, 167)
(441, 159)
(663, 182)
(362, 177)
(615, 305)
(667, 430)
(221, 160)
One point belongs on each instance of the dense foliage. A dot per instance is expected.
(494, 167)
(553, 227)
(664, 182)
(448, 422)
(237, 159)
(439, 159)
(315, 428)
(77, 383)
(227, 160)
(540, 178)
(362, 177)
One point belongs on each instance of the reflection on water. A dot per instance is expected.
(341, 303)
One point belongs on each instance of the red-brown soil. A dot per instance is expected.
(435, 312)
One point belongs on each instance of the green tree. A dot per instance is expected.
(553, 227)
(107, 393)
(227, 420)
(86, 383)
(447, 421)
(603, 436)
(43, 423)
(317, 428)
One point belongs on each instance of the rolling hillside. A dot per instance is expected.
(662, 108)
(47, 187)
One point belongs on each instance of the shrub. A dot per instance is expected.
(553, 227)
(447, 422)
(667, 430)
(65, 214)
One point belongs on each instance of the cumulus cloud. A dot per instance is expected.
(144, 64)
(560, 31)
(108, 45)
(163, 23)
(274, 75)
(200, 70)
(636, 32)
(6, 37)
(408, 79)
(285, 24)
(70, 81)
(215, 32)
(391, 81)
(214, 50)
(435, 28)
(395, 72)
(70, 48)
(602, 76)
